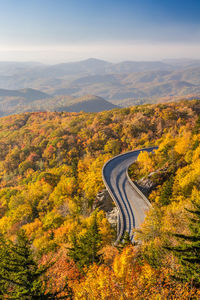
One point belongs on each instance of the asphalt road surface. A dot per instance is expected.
(131, 203)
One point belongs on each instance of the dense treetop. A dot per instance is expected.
(50, 173)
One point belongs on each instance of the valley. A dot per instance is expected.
(37, 87)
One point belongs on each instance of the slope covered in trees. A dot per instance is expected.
(124, 83)
(50, 173)
(29, 100)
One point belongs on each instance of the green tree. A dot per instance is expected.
(20, 273)
(85, 249)
(188, 250)
(166, 191)
(4, 255)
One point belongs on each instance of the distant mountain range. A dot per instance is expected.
(28, 94)
(30, 85)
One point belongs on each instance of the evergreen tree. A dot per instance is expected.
(84, 250)
(166, 191)
(20, 275)
(4, 256)
(188, 250)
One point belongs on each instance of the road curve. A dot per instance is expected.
(131, 203)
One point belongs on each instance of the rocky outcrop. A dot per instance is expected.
(149, 183)
(104, 202)
(146, 185)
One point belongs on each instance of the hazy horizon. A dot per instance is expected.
(71, 54)
(55, 31)
(164, 59)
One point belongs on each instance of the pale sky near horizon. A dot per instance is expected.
(67, 30)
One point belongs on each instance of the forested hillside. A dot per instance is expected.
(30, 103)
(125, 83)
(50, 173)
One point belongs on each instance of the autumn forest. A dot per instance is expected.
(54, 241)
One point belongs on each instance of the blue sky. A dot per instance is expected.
(55, 30)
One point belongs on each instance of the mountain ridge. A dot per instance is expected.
(87, 103)
(134, 81)
(28, 93)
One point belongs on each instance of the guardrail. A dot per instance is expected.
(134, 186)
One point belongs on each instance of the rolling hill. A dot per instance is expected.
(131, 82)
(28, 94)
(90, 103)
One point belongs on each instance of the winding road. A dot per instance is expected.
(130, 201)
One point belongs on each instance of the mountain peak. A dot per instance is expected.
(93, 59)
(94, 62)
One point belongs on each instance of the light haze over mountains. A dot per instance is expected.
(27, 86)
(139, 33)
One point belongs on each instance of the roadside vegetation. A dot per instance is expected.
(50, 173)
